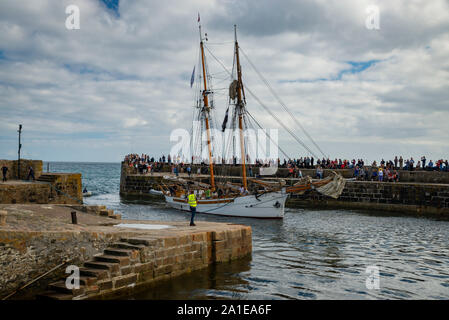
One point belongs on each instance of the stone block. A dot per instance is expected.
(183, 240)
(199, 237)
(146, 276)
(219, 245)
(170, 242)
(125, 280)
(196, 246)
(160, 254)
(126, 270)
(218, 235)
(163, 270)
(168, 260)
(3, 216)
(143, 267)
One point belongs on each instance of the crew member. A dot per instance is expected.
(192, 204)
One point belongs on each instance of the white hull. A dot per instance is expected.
(268, 205)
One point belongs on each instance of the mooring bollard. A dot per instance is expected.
(74, 220)
(3, 215)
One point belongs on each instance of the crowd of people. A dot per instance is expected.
(145, 164)
(396, 163)
(385, 170)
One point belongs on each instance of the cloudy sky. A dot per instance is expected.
(121, 83)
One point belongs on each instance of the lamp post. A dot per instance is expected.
(20, 147)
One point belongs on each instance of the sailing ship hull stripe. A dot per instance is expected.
(205, 201)
(270, 205)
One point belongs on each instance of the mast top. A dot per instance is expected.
(199, 26)
(235, 32)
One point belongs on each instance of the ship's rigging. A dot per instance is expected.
(228, 149)
(253, 198)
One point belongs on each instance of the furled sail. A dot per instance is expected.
(334, 188)
(233, 89)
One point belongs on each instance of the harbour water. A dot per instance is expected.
(310, 254)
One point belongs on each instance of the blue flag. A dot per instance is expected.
(192, 79)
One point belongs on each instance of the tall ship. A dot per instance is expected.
(253, 197)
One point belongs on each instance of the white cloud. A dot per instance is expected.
(123, 82)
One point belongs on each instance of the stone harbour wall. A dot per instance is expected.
(416, 198)
(422, 176)
(24, 168)
(388, 196)
(25, 193)
(26, 255)
(115, 264)
(152, 260)
(63, 188)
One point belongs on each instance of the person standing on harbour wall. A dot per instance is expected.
(30, 173)
(4, 172)
(411, 164)
(381, 174)
(192, 204)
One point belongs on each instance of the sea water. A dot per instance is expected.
(310, 254)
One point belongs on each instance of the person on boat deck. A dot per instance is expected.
(189, 170)
(192, 204)
(319, 172)
(85, 190)
(207, 193)
(242, 190)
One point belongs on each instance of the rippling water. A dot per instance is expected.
(310, 254)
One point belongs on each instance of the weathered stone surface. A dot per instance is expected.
(31, 246)
(24, 168)
(62, 188)
(3, 216)
(415, 198)
(125, 280)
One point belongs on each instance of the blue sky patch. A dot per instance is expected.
(89, 70)
(354, 67)
(112, 5)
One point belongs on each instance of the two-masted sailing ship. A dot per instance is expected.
(256, 198)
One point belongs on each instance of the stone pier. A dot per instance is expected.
(422, 198)
(115, 257)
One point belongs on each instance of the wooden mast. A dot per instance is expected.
(206, 114)
(240, 105)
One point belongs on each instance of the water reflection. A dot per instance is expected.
(213, 282)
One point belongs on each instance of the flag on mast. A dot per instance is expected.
(225, 121)
(198, 17)
(192, 79)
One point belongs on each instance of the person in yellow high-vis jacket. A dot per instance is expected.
(192, 203)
